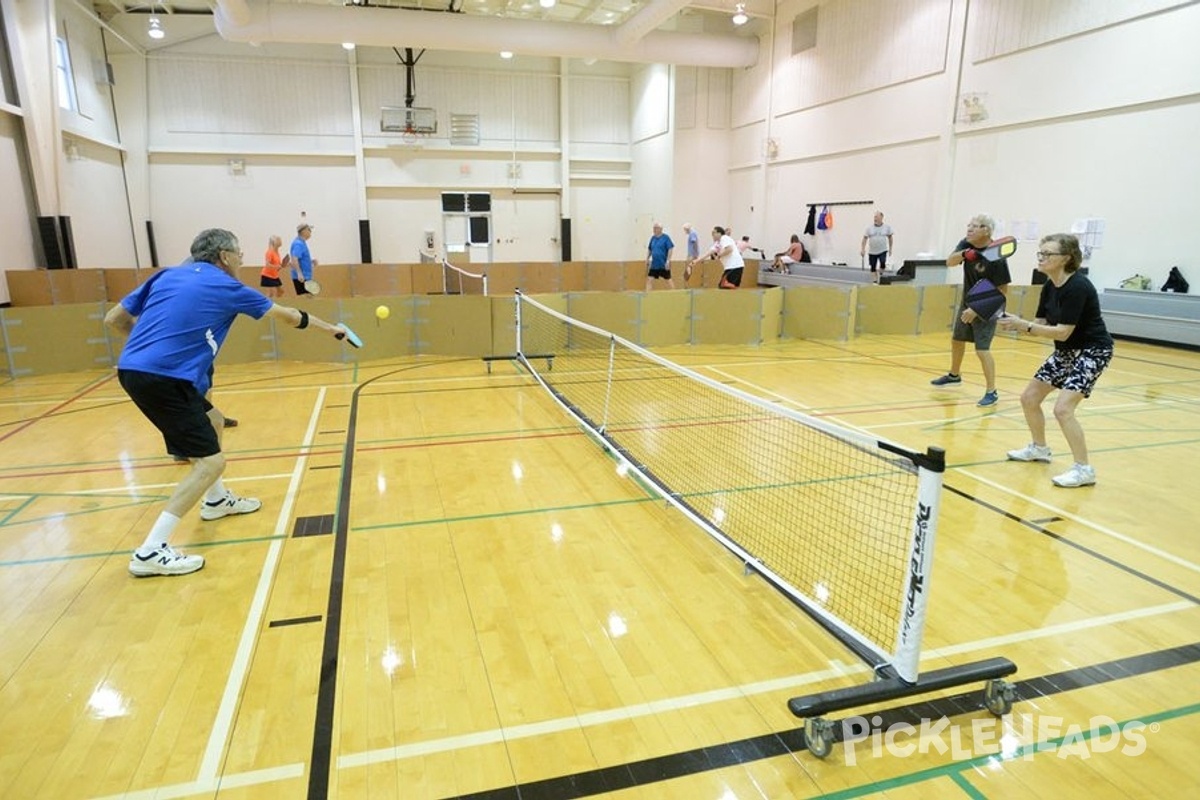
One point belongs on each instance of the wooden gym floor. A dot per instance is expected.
(450, 592)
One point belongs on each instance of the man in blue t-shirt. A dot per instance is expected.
(302, 260)
(182, 316)
(658, 257)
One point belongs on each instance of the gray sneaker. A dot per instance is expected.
(1031, 452)
(946, 379)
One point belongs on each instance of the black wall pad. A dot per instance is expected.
(52, 246)
(364, 240)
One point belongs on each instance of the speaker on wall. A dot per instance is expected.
(564, 238)
(68, 242)
(52, 246)
(364, 240)
(153, 244)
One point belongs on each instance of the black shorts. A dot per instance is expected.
(660, 273)
(265, 281)
(299, 284)
(733, 276)
(877, 259)
(176, 409)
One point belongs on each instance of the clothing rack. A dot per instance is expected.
(843, 203)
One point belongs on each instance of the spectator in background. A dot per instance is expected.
(273, 263)
(795, 254)
(877, 243)
(658, 257)
(693, 242)
(302, 260)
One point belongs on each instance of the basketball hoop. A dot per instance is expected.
(409, 136)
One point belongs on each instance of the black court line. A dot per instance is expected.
(329, 433)
(328, 466)
(320, 760)
(282, 623)
(756, 748)
(1112, 562)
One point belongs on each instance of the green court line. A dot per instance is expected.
(968, 787)
(1024, 751)
(7, 524)
(16, 511)
(111, 553)
(501, 514)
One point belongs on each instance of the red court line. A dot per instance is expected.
(61, 405)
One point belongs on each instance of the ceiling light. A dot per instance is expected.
(347, 45)
(155, 30)
(547, 3)
(739, 14)
(506, 54)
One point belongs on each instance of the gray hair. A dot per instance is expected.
(984, 221)
(208, 244)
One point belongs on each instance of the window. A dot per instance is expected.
(67, 98)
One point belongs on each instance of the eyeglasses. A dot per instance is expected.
(1042, 255)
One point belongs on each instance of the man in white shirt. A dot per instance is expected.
(732, 264)
(877, 243)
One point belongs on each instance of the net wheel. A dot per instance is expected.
(998, 697)
(818, 736)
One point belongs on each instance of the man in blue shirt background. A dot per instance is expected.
(302, 260)
(177, 322)
(658, 257)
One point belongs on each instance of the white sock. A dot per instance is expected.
(216, 492)
(164, 526)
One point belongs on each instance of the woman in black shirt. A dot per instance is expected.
(1069, 313)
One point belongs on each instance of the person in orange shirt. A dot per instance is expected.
(270, 279)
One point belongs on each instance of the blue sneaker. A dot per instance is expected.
(988, 399)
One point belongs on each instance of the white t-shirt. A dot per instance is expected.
(877, 238)
(734, 259)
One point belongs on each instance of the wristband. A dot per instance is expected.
(303, 320)
(1030, 328)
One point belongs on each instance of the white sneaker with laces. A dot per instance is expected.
(1031, 452)
(166, 560)
(1077, 475)
(227, 505)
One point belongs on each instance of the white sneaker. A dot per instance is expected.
(1031, 452)
(227, 505)
(166, 560)
(1077, 475)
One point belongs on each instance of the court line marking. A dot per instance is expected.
(498, 735)
(837, 669)
(223, 722)
(1120, 537)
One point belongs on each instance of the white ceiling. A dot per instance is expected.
(188, 20)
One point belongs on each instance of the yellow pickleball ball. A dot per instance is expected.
(382, 312)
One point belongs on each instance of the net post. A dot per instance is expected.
(445, 282)
(485, 291)
(517, 306)
(915, 601)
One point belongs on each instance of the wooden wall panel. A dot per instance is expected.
(666, 318)
(454, 325)
(888, 309)
(42, 340)
(938, 304)
(615, 312)
(727, 317)
(819, 312)
(29, 287)
(119, 282)
(605, 276)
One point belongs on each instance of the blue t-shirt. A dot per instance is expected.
(302, 258)
(659, 247)
(183, 316)
(693, 245)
